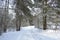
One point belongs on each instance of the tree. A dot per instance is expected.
(5, 15)
(1, 22)
(21, 6)
(44, 2)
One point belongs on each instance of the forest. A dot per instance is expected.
(35, 15)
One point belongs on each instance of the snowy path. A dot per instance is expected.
(31, 34)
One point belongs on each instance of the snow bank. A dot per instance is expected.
(52, 33)
(27, 28)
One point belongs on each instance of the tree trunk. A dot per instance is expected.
(1, 25)
(45, 5)
(5, 15)
(44, 23)
(17, 26)
(38, 22)
(5, 28)
(31, 21)
(18, 21)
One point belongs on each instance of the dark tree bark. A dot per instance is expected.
(17, 26)
(44, 23)
(18, 21)
(44, 13)
(5, 15)
(30, 21)
(1, 22)
(5, 28)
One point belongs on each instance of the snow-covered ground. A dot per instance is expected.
(31, 33)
